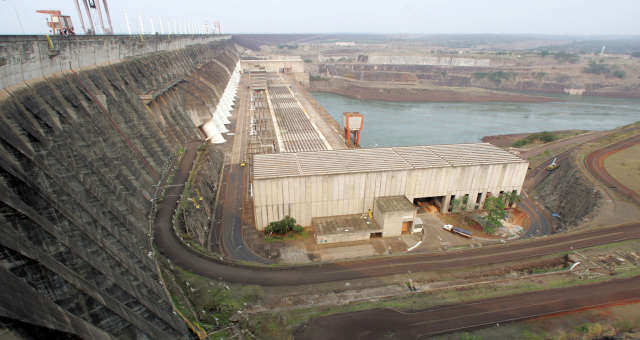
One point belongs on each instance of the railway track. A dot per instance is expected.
(380, 323)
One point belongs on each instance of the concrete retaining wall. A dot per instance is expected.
(345, 237)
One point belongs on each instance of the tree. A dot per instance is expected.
(283, 226)
(619, 74)
(495, 213)
(513, 198)
(465, 202)
(455, 205)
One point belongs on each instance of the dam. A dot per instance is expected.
(92, 127)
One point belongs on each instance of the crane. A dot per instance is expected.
(58, 23)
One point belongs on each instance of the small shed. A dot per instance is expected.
(394, 214)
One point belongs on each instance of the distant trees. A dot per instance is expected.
(635, 54)
(596, 68)
(496, 77)
(619, 74)
(603, 69)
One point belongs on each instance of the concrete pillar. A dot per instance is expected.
(471, 202)
(482, 198)
(445, 204)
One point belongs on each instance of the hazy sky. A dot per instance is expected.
(574, 17)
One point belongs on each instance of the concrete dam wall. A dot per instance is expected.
(84, 143)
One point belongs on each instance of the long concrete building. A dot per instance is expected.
(308, 185)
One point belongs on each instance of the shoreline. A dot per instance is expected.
(417, 95)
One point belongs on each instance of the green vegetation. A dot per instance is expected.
(603, 69)
(496, 77)
(539, 75)
(456, 205)
(288, 47)
(544, 137)
(565, 57)
(307, 60)
(283, 226)
(495, 213)
(214, 303)
(596, 68)
(561, 56)
(619, 74)
(280, 325)
(314, 77)
(512, 198)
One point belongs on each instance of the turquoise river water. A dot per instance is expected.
(401, 123)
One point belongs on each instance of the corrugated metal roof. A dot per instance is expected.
(394, 203)
(378, 159)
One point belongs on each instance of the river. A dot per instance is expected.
(400, 123)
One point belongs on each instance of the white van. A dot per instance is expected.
(417, 225)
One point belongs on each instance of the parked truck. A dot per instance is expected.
(459, 231)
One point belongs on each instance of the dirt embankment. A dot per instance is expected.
(548, 77)
(408, 94)
(567, 193)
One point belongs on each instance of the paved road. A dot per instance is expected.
(232, 240)
(392, 324)
(233, 186)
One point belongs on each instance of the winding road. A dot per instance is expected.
(369, 324)
(169, 244)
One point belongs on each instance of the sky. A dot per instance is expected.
(556, 17)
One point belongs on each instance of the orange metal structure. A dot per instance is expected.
(58, 23)
(353, 122)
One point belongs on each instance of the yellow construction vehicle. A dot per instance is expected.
(243, 163)
(554, 164)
